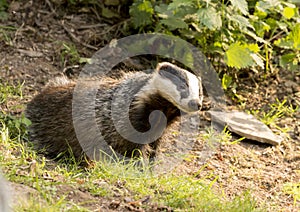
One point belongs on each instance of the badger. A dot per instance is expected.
(169, 89)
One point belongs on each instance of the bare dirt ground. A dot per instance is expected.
(31, 52)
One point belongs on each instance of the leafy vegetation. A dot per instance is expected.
(240, 33)
(3, 7)
(69, 54)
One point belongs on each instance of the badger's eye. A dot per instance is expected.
(183, 87)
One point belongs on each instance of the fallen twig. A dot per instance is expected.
(77, 39)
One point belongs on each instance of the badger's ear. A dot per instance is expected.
(164, 66)
(166, 69)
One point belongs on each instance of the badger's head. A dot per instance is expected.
(180, 87)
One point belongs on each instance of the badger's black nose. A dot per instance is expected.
(195, 104)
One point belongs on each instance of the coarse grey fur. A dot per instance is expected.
(135, 95)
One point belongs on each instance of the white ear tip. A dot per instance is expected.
(162, 64)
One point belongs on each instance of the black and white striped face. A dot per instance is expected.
(179, 86)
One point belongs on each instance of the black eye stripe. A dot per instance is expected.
(176, 76)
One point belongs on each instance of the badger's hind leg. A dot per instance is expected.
(51, 115)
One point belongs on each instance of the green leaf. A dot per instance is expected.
(238, 56)
(226, 81)
(253, 47)
(210, 18)
(283, 43)
(295, 36)
(264, 6)
(141, 13)
(240, 5)
(241, 21)
(163, 11)
(146, 6)
(85, 60)
(292, 41)
(289, 61)
(180, 3)
(3, 15)
(26, 121)
(288, 12)
(287, 58)
(107, 13)
(174, 23)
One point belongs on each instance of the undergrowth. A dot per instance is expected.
(238, 34)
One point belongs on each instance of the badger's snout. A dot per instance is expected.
(195, 104)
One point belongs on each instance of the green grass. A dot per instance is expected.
(277, 110)
(212, 137)
(6, 32)
(10, 92)
(179, 192)
(294, 190)
(21, 164)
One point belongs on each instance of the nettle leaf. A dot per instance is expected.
(146, 6)
(295, 36)
(253, 47)
(163, 11)
(241, 5)
(283, 43)
(174, 23)
(180, 3)
(264, 6)
(238, 56)
(292, 41)
(241, 21)
(289, 61)
(209, 18)
(141, 13)
(187, 13)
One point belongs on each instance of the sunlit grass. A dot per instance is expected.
(103, 179)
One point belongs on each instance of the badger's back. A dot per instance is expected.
(122, 96)
(135, 96)
(50, 113)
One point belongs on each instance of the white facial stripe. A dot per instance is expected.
(169, 90)
(193, 86)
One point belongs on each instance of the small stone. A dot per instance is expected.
(245, 125)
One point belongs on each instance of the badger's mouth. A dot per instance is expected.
(191, 106)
